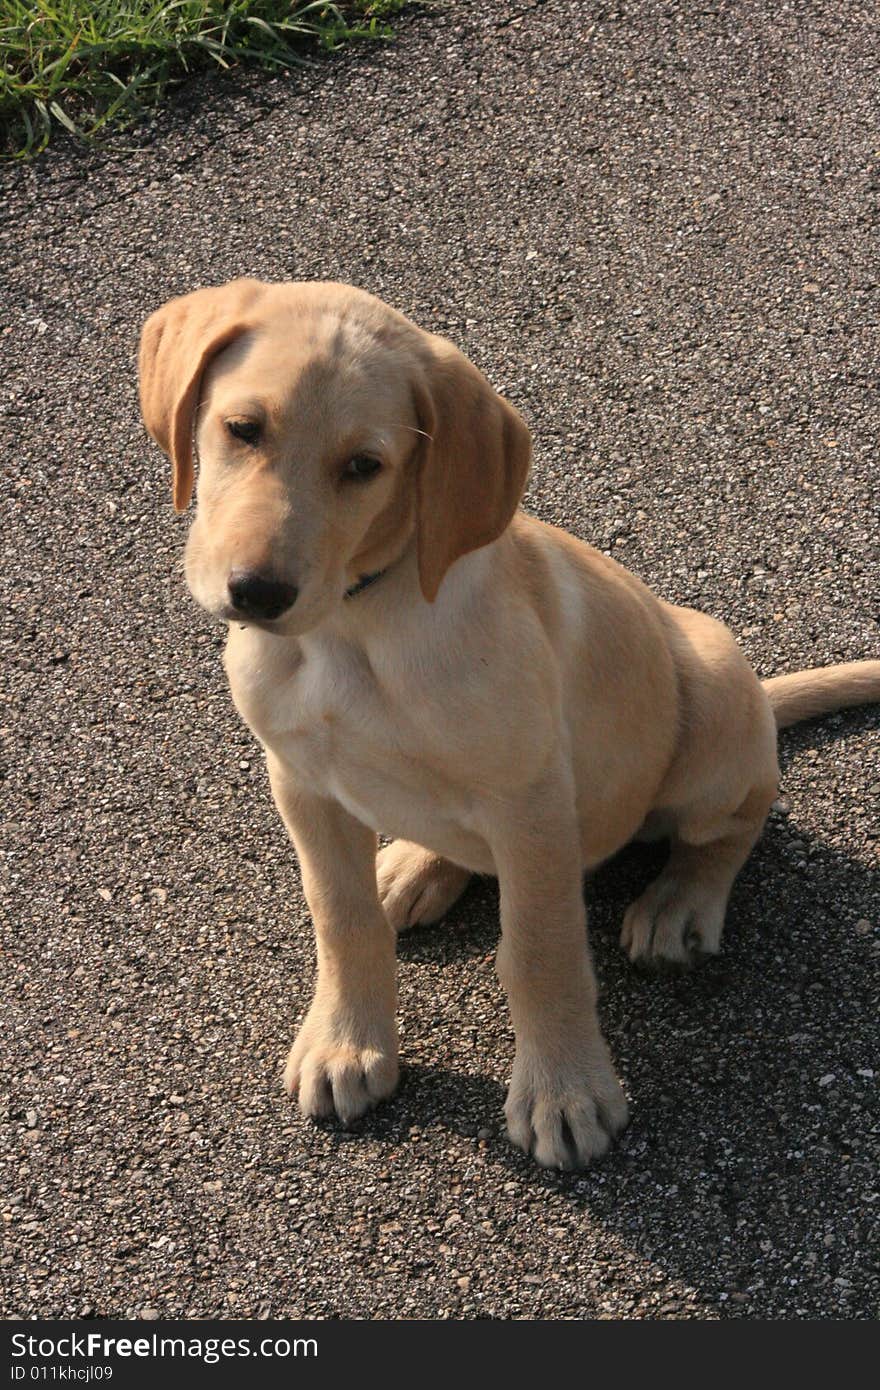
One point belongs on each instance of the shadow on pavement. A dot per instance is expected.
(751, 1148)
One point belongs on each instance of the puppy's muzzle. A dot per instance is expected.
(257, 596)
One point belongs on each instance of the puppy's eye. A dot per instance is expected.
(361, 467)
(248, 431)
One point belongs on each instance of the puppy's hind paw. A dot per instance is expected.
(416, 887)
(673, 923)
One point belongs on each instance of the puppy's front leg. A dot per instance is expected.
(344, 1058)
(565, 1103)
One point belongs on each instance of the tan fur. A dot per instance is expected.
(477, 453)
(503, 699)
(806, 694)
(177, 344)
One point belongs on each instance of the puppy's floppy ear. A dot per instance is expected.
(474, 463)
(177, 343)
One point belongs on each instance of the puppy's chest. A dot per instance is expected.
(329, 719)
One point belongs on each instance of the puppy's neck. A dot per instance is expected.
(394, 610)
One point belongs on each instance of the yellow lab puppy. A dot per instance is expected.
(420, 659)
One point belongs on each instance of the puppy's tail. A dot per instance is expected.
(806, 694)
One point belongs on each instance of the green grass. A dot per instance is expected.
(89, 65)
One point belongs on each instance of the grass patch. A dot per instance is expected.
(88, 65)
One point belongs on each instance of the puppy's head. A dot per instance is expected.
(332, 435)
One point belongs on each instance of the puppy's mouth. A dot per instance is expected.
(281, 610)
(228, 614)
(292, 622)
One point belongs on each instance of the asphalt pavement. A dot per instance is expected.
(655, 227)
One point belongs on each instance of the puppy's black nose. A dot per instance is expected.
(255, 596)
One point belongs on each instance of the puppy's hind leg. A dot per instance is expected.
(681, 914)
(416, 886)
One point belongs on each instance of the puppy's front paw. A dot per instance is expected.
(336, 1069)
(565, 1115)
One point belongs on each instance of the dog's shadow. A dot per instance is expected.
(749, 1167)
